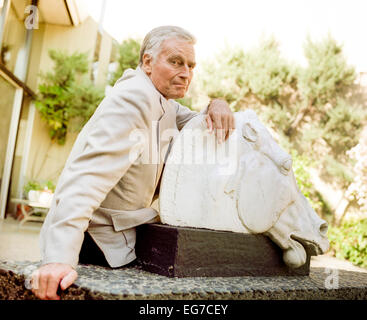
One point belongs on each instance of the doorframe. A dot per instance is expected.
(10, 148)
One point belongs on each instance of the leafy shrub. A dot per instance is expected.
(340, 122)
(38, 186)
(32, 185)
(186, 101)
(260, 75)
(358, 189)
(128, 57)
(327, 74)
(67, 94)
(349, 241)
(300, 165)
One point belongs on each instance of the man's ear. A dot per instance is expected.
(147, 63)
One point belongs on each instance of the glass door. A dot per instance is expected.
(10, 103)
(7, 93)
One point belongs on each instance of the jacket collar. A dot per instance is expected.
(164, 102)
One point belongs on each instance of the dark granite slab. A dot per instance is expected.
(195, 252)
(134, 283)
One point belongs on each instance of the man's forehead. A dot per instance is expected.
(178, 47)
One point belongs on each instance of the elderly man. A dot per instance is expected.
(105, 189)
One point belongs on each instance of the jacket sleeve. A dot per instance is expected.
(184, 114)
(100, 157)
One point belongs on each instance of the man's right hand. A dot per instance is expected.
(46, 280)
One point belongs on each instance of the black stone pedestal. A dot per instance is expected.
(190, 252)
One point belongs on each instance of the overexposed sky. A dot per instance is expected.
(216, 23)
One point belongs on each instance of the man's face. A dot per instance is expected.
(172, 70)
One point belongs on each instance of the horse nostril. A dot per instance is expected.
(323, 228)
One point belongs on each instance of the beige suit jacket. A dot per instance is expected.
(109, 180)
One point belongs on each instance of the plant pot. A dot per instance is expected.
(33, 195)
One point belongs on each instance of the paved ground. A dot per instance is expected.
(19, 243)
(22, 244)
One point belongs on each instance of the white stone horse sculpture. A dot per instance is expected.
(245, 184)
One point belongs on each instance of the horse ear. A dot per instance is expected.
(264, 193)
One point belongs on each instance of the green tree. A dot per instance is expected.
(334, 122)
(66, 95)
(341, 126)
(326, 79)
(349, 241)
(260, 78)
(328, 74)
(128, 57)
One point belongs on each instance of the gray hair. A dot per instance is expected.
(155, 37)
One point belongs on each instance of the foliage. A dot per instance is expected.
(338, 124)
(128, 57)
(302, 176)
(67, 94)
(260, 76)
(327, 75)
(186, 101)
(38, 186)
(32, 185)
(349, 241)
(85, 99)
(220, 75)
(326, 115)
(358, 188)
(300, 165)
(267, 73)
(337, 171)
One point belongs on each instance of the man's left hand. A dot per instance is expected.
(220, 119)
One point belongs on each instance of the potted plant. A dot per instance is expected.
(40, 192)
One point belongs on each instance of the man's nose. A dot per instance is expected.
(185, 73)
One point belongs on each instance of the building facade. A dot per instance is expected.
(28, 30)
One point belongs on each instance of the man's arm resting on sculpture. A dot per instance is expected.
(219, 118)
(85, 182)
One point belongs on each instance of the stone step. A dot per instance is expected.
(133, 283)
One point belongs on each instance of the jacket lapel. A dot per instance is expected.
(166, 121)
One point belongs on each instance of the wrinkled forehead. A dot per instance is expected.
(177, 47)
